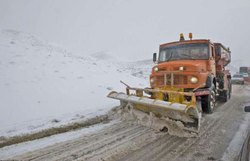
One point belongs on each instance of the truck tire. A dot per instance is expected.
(208, 102)
(227, 93)
(230, 87)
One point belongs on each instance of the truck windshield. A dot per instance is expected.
(184, 51)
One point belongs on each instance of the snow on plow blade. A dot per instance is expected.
(160, 114)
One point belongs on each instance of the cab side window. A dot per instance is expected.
(212, 52)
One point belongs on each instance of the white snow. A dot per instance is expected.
(43, 85)
(18, 149)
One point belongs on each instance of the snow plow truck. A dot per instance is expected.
(189, 77)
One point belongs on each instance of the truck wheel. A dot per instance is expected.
(227, 93)
(230, 87)
(208, 102)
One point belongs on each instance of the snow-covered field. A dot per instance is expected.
(43, 85)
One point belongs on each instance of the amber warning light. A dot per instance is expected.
(190, 36)
(181, 37)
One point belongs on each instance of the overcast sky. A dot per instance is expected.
(130, 29)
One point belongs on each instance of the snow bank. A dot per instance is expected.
(233, 150)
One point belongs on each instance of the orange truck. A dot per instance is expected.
(196, 66)
(189, 77)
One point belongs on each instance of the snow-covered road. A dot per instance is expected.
(126, 141)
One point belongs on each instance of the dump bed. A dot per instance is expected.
(223, 55)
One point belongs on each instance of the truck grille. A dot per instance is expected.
(178, 80)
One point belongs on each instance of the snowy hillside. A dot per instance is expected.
(42, 85)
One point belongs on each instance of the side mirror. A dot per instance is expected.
(154, 57)
(247, 109)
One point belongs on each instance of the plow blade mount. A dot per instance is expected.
(159, 114)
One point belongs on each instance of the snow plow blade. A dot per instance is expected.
(159, 114)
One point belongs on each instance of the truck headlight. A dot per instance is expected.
(156, 69)
(193, 80)
(152, 80)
